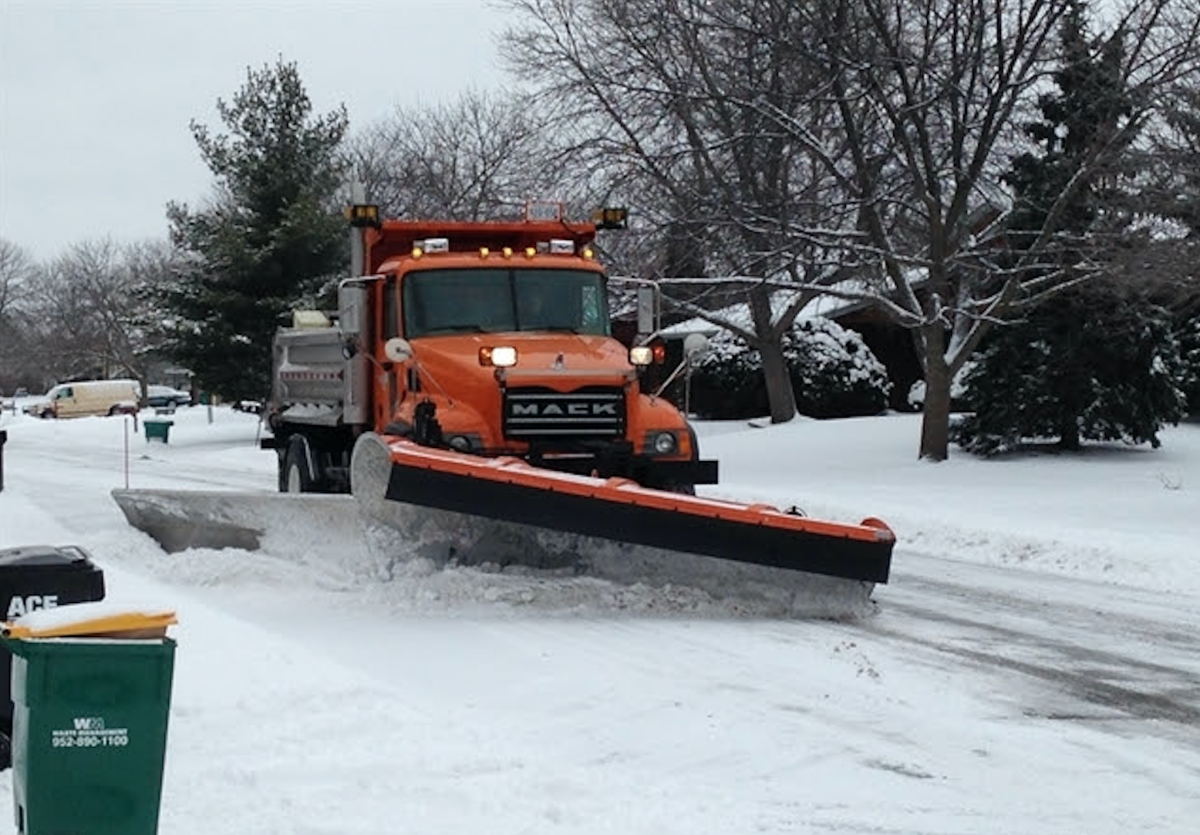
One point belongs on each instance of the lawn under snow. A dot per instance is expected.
(314, 697)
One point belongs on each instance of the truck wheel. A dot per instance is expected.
(296, 475)
(682, 489)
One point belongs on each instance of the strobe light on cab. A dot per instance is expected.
(500, 356)
(430, 245)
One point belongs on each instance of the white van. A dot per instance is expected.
(92, 397)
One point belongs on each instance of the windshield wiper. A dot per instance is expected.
(457, 329)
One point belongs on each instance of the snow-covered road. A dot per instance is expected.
(1089, 652)
(314, 697)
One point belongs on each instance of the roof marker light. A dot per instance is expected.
(484, 252)
(530, 252)
(506, 252)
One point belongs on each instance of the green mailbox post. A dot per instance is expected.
(91, 702)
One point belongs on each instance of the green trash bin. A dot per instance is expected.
(158, 430)
(91, 701)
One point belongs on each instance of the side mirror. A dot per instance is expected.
(349, 349)
(398, 350)
(645, 309)
(694, 344)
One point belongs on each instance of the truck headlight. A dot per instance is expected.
(501, 356)
(641, 355)
(663, 443)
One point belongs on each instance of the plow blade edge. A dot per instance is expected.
(511, 490)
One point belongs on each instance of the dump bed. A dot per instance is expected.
(310, 376)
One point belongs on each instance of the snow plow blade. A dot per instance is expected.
(620, 510)
(182, 519)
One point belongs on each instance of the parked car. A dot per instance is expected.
(166, 397)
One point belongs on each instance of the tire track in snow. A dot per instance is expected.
(1134, 654)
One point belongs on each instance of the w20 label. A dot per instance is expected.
(30, 603)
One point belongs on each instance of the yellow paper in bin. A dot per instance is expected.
(92, 620)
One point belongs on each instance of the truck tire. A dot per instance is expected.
(295, 474)
(682, 489)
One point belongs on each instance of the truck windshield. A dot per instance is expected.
(497, 299)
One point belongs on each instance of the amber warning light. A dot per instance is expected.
(363, 214)
(611, 218)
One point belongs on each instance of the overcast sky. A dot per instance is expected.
(95, 97)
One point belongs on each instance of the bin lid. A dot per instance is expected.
(92, 620)
(49, 557)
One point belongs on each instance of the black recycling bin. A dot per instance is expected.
(39, 577)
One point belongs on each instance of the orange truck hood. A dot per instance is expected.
(542, 359)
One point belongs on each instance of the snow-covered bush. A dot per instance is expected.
(727, 381)
(834, 374)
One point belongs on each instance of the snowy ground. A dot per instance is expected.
(1034, 666)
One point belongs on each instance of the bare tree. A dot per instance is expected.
(677, 104)
(929, 92)
(17, 270)
(476, 158)
(91, 312)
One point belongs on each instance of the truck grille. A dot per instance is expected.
(544, 413)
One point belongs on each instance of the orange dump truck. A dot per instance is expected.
(479, 357)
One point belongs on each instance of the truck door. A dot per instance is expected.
(394, 383)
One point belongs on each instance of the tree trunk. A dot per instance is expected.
(779, 383)
(1068, 435)
(780, 396)
(935, 419)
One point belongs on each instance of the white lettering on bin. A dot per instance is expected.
(30, 603)
(89, 732)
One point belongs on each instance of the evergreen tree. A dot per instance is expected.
(1189, 350)
(1087, 107)
(1099, 361)
(270, 237)
(1100, 364)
